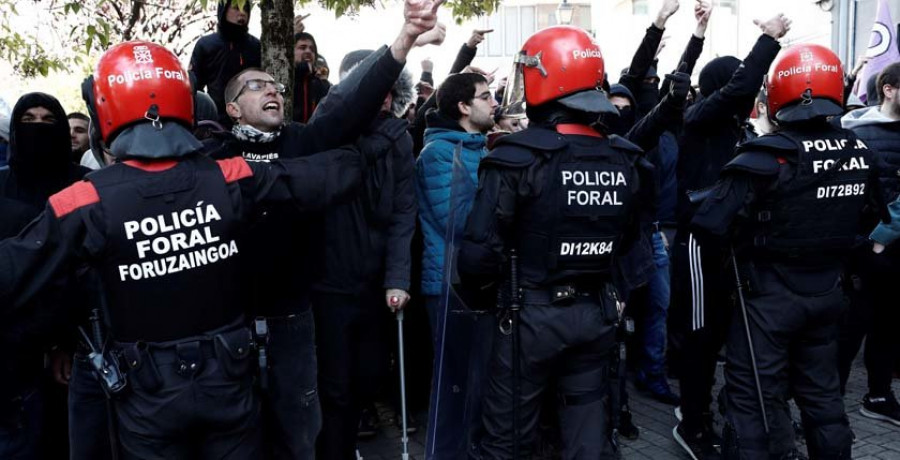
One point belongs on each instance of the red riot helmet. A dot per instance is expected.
(806, 81)
(560, 63)
(138, 81)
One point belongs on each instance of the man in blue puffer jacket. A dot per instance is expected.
(461, 120)
(464, 114)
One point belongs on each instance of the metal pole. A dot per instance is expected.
(402, 364)
(759, 393)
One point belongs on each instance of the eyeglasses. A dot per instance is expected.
(259, 85)
(486, 96)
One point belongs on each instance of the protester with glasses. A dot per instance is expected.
(286, 238)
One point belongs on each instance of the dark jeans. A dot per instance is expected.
(292, 415)
(571, 345)
(190, 402)
(794, 337)
(21, 442)
(353, 341)
(89, 430)
(702, 304)
(874, 316)
(654, 330)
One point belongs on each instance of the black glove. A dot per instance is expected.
(680, 85)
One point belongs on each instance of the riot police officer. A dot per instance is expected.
(161, 228)
(565, 197)
(791, 203)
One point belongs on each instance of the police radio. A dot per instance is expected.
(261, 327)
(112, 380)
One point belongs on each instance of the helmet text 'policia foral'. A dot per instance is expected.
(137, 81)
(806, 81)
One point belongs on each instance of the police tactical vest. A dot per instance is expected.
(575, 225)
(817, 202)
(170, 269)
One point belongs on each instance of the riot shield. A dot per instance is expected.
(462, 342)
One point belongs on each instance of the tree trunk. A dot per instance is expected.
(278, 47)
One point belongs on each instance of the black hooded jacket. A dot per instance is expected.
(219, 56)
(713, 124)
(367, 243)
(309, 90)
(39, 167)
(39, 163)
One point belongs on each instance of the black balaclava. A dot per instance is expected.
(232, 32)
(626, 118)
(716, 74)
(39, 151)
(649, 92)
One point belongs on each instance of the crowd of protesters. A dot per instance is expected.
(325, 269)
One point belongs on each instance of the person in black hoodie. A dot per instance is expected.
(39, 166)
(712, 127)
(220, 56)
(366, 263)
(309, 89)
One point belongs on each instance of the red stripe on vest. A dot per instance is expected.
(75, 196)
(151, 166)
(234, 169)
(580, 130)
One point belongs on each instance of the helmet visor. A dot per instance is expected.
(513, 103)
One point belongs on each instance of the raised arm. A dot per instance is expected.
(352, 104)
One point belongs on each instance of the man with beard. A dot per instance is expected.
(701, 296)
(456, 132)
(40, 164)
(875, 269)
(309, 89)
(465, 108)
(78, 131)
(220, 56)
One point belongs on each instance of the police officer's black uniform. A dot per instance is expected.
(162, 235)
(565, 203)
(799, 196)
